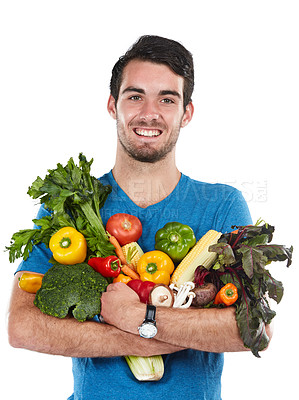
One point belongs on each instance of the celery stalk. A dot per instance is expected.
(146, 368)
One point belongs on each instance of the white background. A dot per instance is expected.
(56, 59)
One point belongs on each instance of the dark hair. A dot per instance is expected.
(161, 51)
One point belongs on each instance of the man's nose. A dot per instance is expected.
(149, 111)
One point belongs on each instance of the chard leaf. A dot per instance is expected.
(263, 311)
(225, 254)
(252, 231)
(275, 252)
(257, 240)
(253, 260)
(249, 317)
(246, 233)
(231, 278)
(274, 287)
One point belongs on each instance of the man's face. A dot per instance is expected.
(149, 111)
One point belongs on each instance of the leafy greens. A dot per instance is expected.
(74, 198)
(242, 259)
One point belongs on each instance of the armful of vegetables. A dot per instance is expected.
(228, 269)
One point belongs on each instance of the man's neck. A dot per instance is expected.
(146, 183)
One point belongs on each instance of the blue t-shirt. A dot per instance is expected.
(189, 374)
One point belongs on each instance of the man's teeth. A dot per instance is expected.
(148, 132)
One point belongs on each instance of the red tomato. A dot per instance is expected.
(125, 227)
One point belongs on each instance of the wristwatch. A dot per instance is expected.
(148, 327)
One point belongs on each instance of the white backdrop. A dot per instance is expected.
(56, 59)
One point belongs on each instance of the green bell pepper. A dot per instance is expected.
(175, 239)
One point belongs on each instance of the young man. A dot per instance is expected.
(151, 88)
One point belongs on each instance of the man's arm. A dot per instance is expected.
(29, 328)
(213, 330)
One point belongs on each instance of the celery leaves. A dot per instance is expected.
(74, 198)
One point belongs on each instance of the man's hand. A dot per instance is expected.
(122, 308)
(200, 329)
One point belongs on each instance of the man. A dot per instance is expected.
(151, 88)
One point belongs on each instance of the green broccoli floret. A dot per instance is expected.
(71, 288)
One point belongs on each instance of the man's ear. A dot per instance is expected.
(187, 115)
(111, 107)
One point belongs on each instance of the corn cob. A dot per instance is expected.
(198, 255)
(132, 252)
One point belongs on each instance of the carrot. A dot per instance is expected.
(118, 250)
(130, 272)
(126, 269)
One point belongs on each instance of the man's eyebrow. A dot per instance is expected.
(170, 92)
(133, 89)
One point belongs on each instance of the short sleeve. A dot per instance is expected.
(234, 211)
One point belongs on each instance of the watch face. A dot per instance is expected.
(147, 330)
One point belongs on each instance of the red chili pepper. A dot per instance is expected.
(109, 267)
(142, 288)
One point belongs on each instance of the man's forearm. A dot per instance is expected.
(29, 328)
(71, 338)
(213, 330)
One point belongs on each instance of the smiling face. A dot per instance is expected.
(149, 111)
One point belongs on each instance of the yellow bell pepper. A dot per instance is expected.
(68, 246)
(155, 266)
(30, 282)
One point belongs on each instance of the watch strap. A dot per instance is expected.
(150, 314)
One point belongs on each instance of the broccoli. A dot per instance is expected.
(71, 288)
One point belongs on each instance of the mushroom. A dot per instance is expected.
(161, 295)
(184, 295)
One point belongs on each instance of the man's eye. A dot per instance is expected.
(135, 97)
(167, 101)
